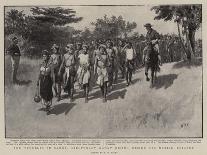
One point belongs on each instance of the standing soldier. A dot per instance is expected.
(68, 63)
(100, 68)
(83, 72)
(111, 68)
(15, 54)
(56, 61)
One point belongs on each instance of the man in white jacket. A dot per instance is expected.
(130, 55)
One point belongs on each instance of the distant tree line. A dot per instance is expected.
(46, 26)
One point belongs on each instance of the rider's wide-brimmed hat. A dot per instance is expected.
(148, 25)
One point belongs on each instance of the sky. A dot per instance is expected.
(139, 14)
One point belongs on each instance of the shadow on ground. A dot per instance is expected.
(60, 108)
(117, 91)
(25, 71)
(165, 81)
(117, 94)
(194, 63)
(23, 82)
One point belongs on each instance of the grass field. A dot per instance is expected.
(172, 108)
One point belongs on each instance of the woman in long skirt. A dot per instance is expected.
(100, 68)
(45, 81)
(83, 72)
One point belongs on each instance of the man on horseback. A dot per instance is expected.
(151, 56)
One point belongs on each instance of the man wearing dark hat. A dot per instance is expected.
(15, 54)
(152, 37)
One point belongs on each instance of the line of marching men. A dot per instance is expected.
(85, 65)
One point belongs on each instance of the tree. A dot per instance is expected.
(86, 35)
(15, 22)
(112, 27)
(45, 20)
(44, 27)
(55, 16)
(188, 16)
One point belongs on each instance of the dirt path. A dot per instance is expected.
(172, 108)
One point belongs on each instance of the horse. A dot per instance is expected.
(152, 63)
